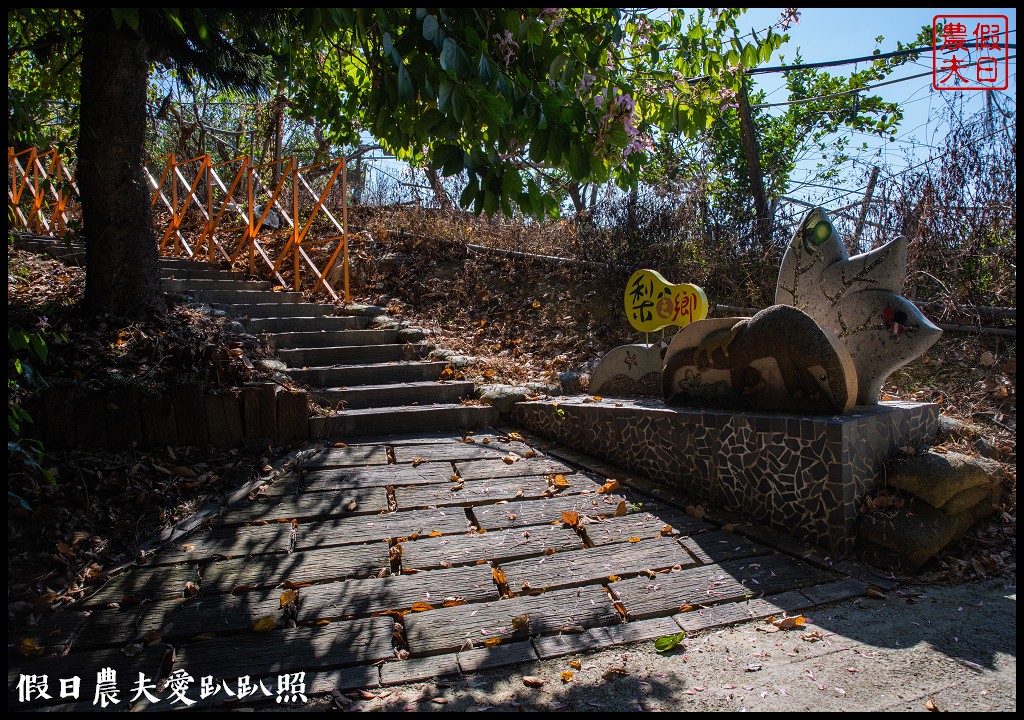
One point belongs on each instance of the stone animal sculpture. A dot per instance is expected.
(780, 359)
(857, 298)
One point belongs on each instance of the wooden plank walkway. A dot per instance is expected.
(402, 558)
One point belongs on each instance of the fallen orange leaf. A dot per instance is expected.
(570, 518)
(620, 509)
(491, 642)
(421, 607)
(288, 598)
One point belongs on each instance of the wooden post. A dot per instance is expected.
(751, 152)
(864, 208)
(344, 222)
(296, 238)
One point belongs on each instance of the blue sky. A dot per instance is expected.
(825, 34)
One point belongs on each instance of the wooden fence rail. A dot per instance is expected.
(267, 222)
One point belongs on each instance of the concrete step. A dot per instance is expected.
(166, 261)
(247, 297)
(305, 325)
(396, 394)
(393, 420)
(370, 374)
(333, 338)
(205, 284)
(199, 273)
(352, 354)
(279, 310)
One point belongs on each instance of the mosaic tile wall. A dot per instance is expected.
(806, 476)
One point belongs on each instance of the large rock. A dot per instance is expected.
(916, 533)
(936, 478)
(502, 397)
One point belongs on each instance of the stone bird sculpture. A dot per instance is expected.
(857, 298)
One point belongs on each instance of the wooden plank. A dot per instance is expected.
(111, 627)
(642, 630)
(54, 633)
(356, 642)
(572, 643)
(207, 543)
(190, 414)
(347, 457)
(159, 425)
(182, 619)
(485, 658)
(519, 513)
(268, 410)
(162, 583)
(216, 421)
(90, 428)
(378, 476)
(59, 426)
(731, 613)
(252, 413)
(123, 422)
(447, 452)
(500, 545)
(479, 492)
(477, 469)
(354, 598)
(612, 530)
(419, 669)
(348, 531)
(455, 628)
(311, 506)
(721, 545)
(589, 565)
(362, 561)
(729, 582)
(292, 415)
(233, 416)
(835, 591)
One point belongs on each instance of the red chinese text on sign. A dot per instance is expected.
(970, 52)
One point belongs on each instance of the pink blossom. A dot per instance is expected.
(790, 16)
(506, 45)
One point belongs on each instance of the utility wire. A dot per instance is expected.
(859, 90)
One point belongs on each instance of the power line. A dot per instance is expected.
(853, 61)
(859, 90)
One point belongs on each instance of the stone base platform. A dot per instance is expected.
(803, 475)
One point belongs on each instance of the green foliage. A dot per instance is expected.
(27, 349)
(43, 65)
(669, 642)
(571, 95)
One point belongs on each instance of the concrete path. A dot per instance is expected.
(405, 558)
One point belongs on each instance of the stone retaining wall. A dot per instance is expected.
(806, 476)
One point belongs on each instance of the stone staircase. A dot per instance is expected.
(375, 377)
(70, 253)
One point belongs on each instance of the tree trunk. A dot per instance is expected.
(121, 253)
(443, 201)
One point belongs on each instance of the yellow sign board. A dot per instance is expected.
(652, 302)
